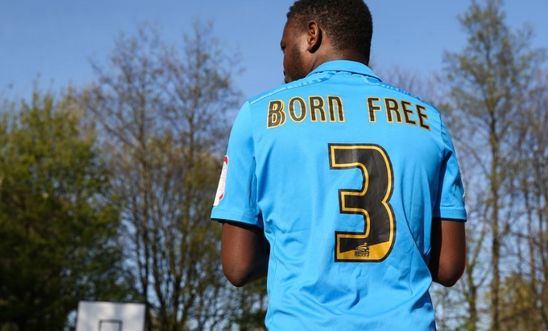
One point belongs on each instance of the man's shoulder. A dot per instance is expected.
(404, 94)
(288, 89)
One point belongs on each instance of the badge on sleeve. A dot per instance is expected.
(222, 183)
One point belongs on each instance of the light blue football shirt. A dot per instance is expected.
(345, 174)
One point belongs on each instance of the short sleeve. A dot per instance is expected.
(236, 197)
(450, 202)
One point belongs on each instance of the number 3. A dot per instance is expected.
(375, 242)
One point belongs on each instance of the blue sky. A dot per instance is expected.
(51, 42)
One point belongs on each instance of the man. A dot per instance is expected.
(354, 184)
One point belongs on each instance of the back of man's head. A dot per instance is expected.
(347, 22)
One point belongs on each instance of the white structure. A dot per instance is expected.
(109, 316)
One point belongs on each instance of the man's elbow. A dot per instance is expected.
(237, 275)
(447, 282)
(449, 276)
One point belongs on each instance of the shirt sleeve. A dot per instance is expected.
(450, 204)
(236, 197)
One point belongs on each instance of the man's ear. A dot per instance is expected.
(314, 37)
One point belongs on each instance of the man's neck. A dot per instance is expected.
(349, 55)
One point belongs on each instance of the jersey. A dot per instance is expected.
(345, 174)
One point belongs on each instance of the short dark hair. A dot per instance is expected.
(347, 22)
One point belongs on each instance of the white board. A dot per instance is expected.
(109, 316)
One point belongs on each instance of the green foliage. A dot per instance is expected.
(56, 227)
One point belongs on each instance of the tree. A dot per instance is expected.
(164, 115)
(529, 164)
(489, 81)
(57, 224)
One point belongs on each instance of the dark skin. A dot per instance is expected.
(244, 253)
(306, 48)
(448, 251)
(245, 250)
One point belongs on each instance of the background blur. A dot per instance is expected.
(113, 122)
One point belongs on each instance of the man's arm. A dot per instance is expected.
(244, 253)
(448, 252)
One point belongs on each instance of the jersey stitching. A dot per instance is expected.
(397, 89)
(290, 86)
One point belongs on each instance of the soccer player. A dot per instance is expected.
(344, 190)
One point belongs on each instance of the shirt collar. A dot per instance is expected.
(345, 65)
